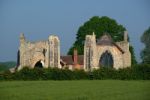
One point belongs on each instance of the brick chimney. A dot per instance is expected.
(75, 56)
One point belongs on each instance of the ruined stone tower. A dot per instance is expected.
(106, 53)
(39, 54)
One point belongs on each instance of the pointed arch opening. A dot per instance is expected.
(106, 60)
(39, 64)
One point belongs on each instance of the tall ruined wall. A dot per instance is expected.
(90, 52)
(47, 52)
(87, 53)
(124, 45)
(93, 52)
(54, 51)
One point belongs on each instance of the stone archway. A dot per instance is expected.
(39, 64)
(106, 60)
(38, 59)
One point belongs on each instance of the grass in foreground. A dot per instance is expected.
(75, 90)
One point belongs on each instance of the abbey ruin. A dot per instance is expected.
(97, 53)
(39, 54)
(106, 53)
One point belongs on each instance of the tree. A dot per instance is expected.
(133, 59)
(99, 25)
(145, 54)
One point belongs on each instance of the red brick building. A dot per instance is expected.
(74, 61)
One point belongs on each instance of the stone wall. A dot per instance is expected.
(90, 52)
(93, 52)
(116, 54)
(47, 52)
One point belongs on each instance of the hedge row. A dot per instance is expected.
(138, 72)
(44, 74)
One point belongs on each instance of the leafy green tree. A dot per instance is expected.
(99, 25)
(133, 59)
(145, 54)
(2, 67)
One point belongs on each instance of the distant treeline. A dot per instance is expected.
(137, 72)
(6, 65)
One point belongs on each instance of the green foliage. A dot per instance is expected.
(133, 59)
(44, 74)
(104, 73)
(136, 72)
(6, 65)
(2, 67)
(9, 64)
(145, 54)
(146, 37)
(100, 26)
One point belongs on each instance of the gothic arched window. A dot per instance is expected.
(106, 60)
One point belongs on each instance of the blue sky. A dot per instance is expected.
(37, 19)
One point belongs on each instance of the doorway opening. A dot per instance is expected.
(39, 64)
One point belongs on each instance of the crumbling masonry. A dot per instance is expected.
(39, 54)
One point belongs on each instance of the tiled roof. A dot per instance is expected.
(107, 40)
(69, 59)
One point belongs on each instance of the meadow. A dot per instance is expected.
(75, 90)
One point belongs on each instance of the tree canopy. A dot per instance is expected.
(100, 26)
(145, 54)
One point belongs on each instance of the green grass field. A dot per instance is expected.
(75, 90)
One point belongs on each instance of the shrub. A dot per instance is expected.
(136, 72)
(104, 73)
(80, 74)
(141, 71)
